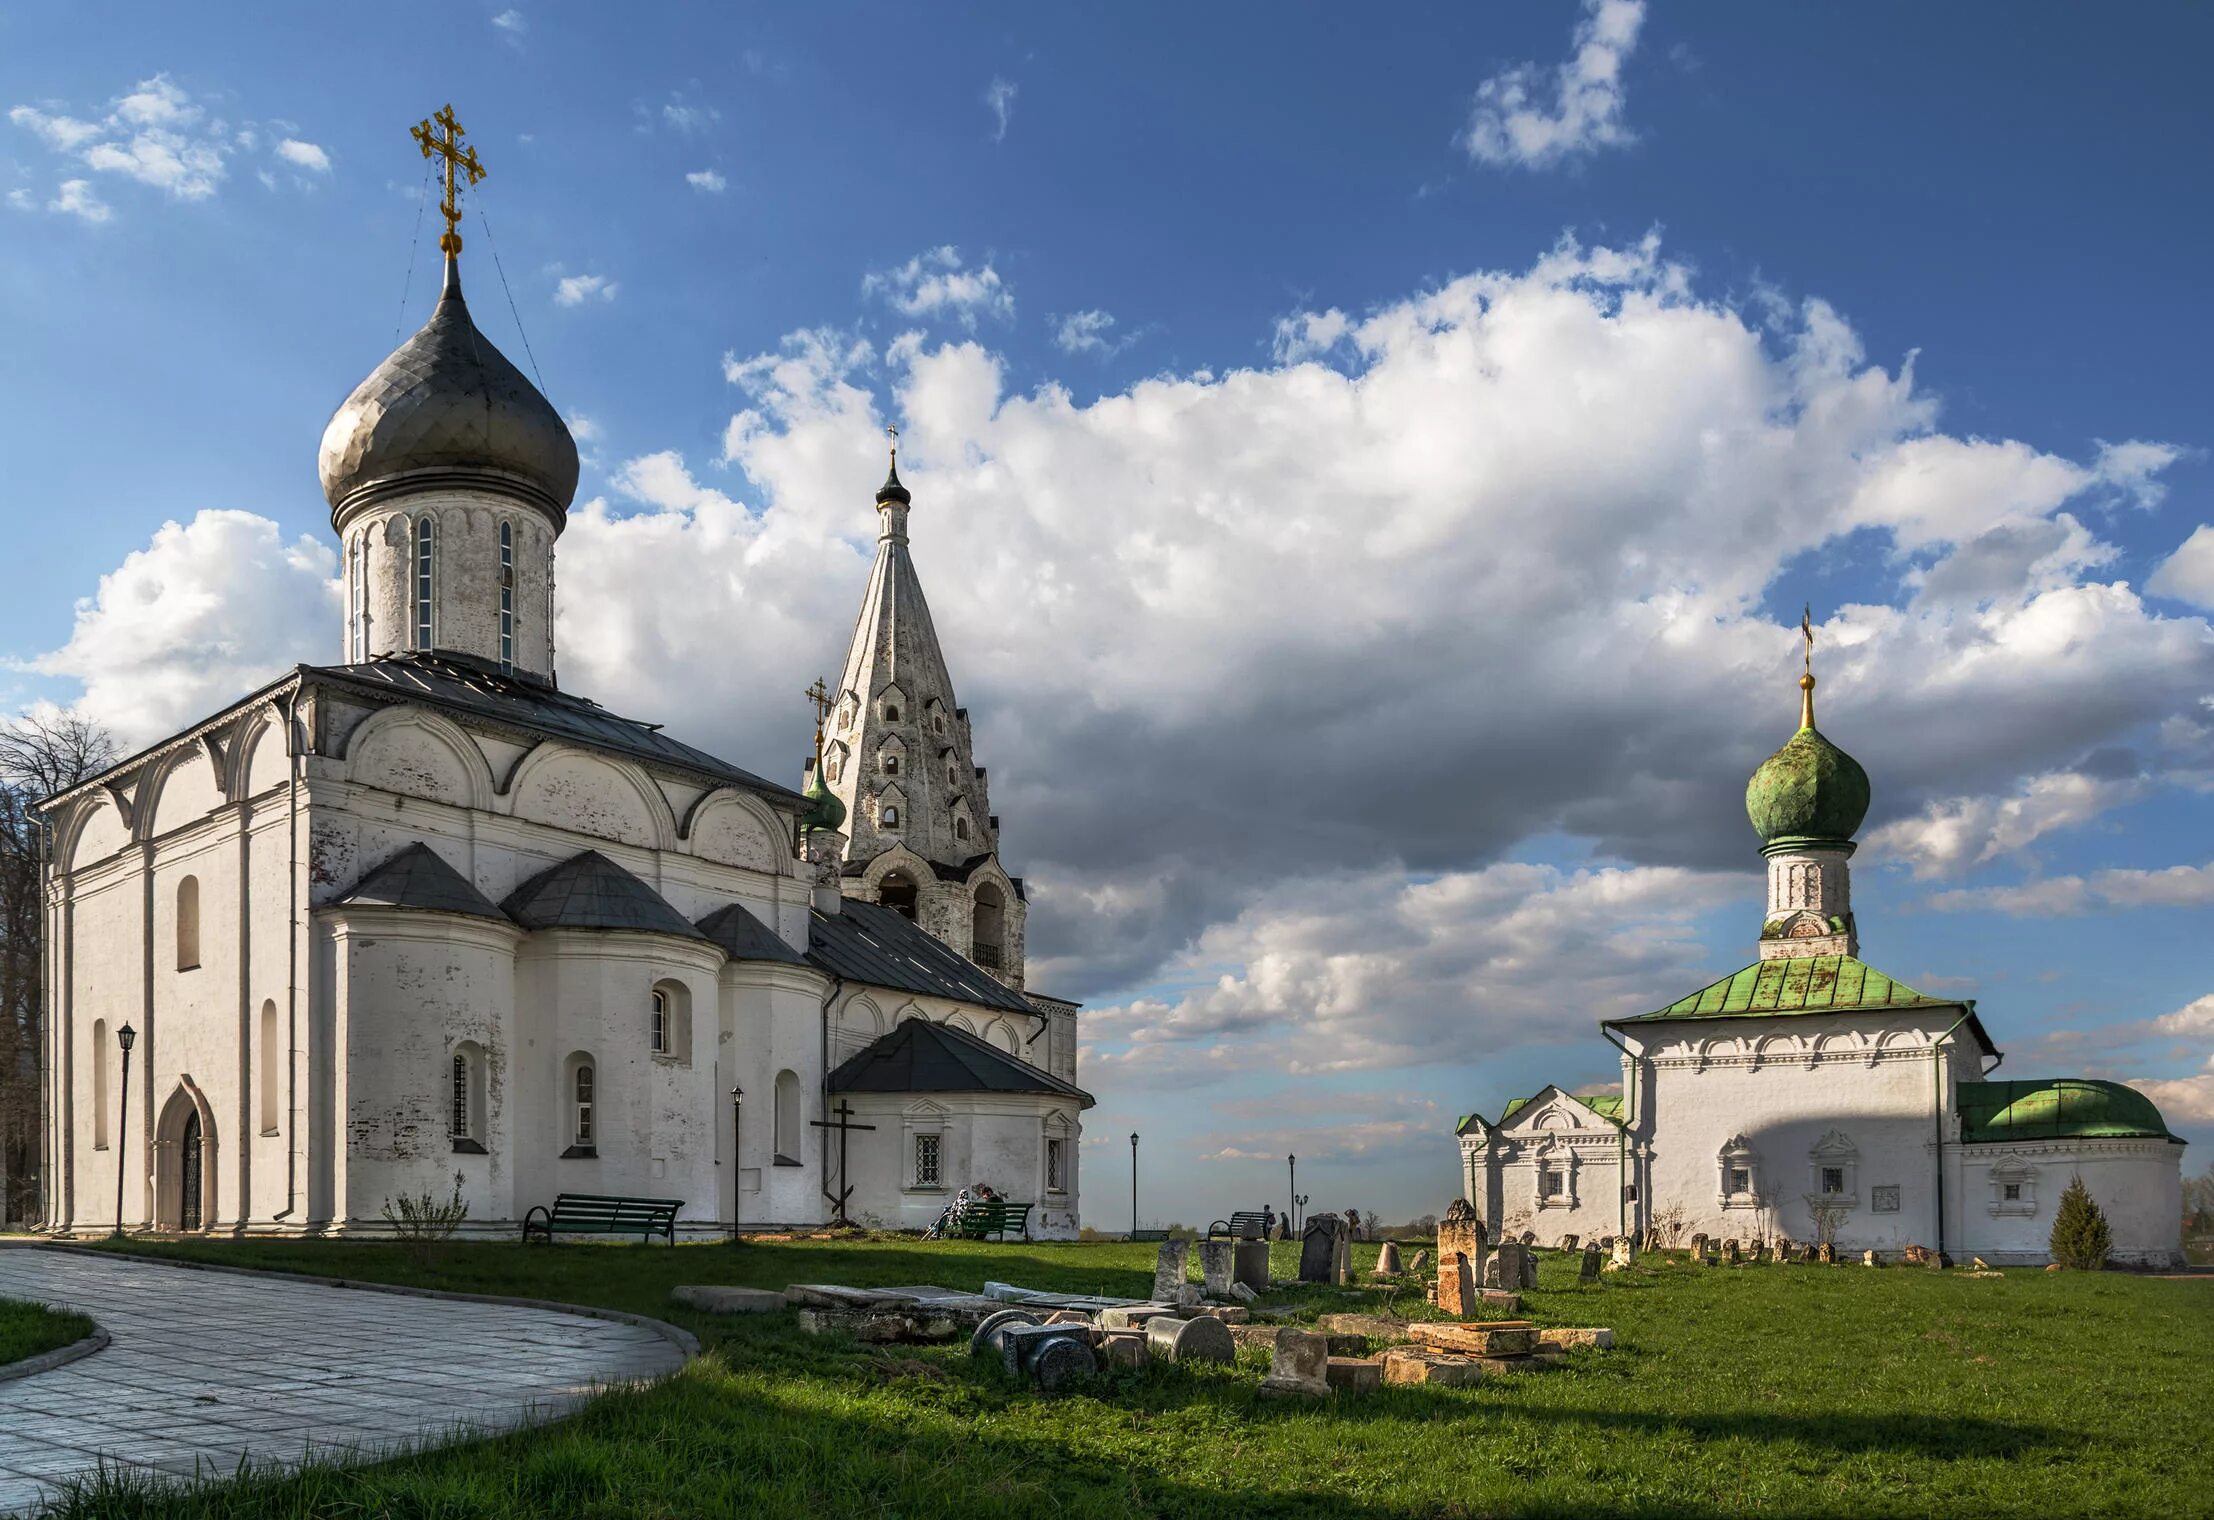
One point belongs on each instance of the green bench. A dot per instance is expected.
(602, 1214)
(991, 1220)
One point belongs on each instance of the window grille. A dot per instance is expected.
(926, 1161)
(1833, 1180)
(660, 1023)
(1741, 1180)
(1057, 1166)
(584, 1106)
(424, 533)
(460, 1128)
(507, 597)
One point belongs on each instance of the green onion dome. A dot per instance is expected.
(825, 813)
(1810, 790)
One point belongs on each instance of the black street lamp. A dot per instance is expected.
(1133, 1184)
(1293, 1163)
(123, 1037)
(737, 1179)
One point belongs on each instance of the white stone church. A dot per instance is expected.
(424, 913)
(1811, 1094)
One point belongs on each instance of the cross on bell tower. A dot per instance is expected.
(449, 148)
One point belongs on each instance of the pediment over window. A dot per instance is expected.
(1834, 1146)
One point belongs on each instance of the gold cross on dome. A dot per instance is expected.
(450, 149)
(891, 431)
(1806, 631)
(819, 694)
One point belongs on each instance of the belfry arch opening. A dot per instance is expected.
(988, 929)
(897, 892)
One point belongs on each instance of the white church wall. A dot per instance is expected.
(412, 985)
(1783, 1086)
(772, 1015)
(994, 1138)
(465, 577)
(2137, 1183)
(582, 793)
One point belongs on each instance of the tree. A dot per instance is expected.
(40, 754)
(2081, 1238)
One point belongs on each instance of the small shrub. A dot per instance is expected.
(2081, 1239)
(422, 1222)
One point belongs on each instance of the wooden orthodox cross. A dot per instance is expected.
(843, 1124)
(449, 148)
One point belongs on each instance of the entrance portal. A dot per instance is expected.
(188, 1161)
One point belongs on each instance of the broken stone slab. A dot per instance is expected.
(1243, 1336)
(1243, 1291)
(1380, 1327)
(1442, 1369)
(1133, 1317)
(1420, 1260)
(1602, 1340)
(1457, 1288)
(1169, 1270)
(1496, 1339)
(720, 1300)
(1067, 1317)
(1216, 1258)
(1299, 1363)
(1355, 1374)
(882, 1326)
(1122, 1348)
(1229, 1314)
(1500, 1298)
(1189, 1340)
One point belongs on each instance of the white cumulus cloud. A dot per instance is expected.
(1087, 332)
(999, 99)
(2188, 574)
(304, 155)
(937, 283)
(576, 289)
(707, 181)
(1534, 118)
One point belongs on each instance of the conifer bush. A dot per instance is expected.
(2081, 1238)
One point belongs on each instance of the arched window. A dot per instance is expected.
(836, 765)
(583, 1098)
(357, 622)
(891, 763)
(507, 596)
(660, 1022)
(988, 927)
(424, 553)
(897, 892)
(465, 1122)
(889, 817)
(671, 1016)
(188, 924)
(787, 1118)
(270, 1070)
(891, 712)
(960, 828)
(100, 1060)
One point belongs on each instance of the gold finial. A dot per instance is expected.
(891, 431)
(1806, 682)
(819, 695)
(450, 149)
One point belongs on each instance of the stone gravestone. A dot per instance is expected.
(1699, 1244)
(1529, 1268)
(1462, 1231)
(1868, 1259)
(1457, 1292)
(1529, 1237)
(1783, 1249)
(1421, 1260)
(1589, 1271)
(1729, 1250)
(1825, 1253)
(1623, 1255)
(1387, 1260)
(1168, 1271)
(1299, 1363)
(1505, 1269)
(1318, 1248)
(1249, 1264)
(1216, 1257)
(1569, 1242)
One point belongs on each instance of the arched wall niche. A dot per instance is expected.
(265, 765)
(186, 791)
(590, 794)
(733, 829)
(96, 832)
(419, 754)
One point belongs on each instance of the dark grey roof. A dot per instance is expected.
(863, 942)
(923, 1056)
(418, 877)
(470, 685)
(745, 938)
(447, 408)
(589, 891)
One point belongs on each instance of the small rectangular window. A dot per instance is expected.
(1551, 1184)
(661, 1023)
(1833, 1179)
(461, 1096)
(507, 597)
(926, 1161)
(584, 1106)
(2011, 1191)
(1057, 1166)
(1741, 1180)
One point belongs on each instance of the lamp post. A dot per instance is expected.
(737, 1180)
(123, 1037)
(1133, 1184)
(1293, 1163)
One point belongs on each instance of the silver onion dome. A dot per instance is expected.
(447, 409)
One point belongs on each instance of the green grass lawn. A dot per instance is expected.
(28, 1329)
(1758, 1390)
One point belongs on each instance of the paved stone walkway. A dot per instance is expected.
(209, 1367)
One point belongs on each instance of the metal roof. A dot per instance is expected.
(924, 1056)
(1804, 984)
(418, 877)
(1607, 1106)
(589, 891)
(866, 942)
(443, 678)
(2057, 1108)
(743, 937)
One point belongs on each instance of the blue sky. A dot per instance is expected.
(1249, 569)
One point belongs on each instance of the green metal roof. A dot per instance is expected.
(1805, 984)
(1607, 1106)
(2057, 1108)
